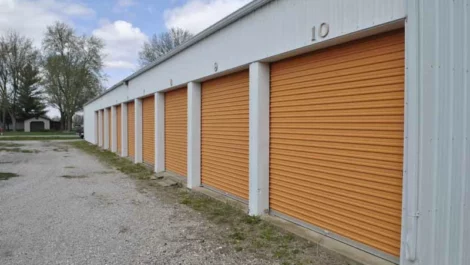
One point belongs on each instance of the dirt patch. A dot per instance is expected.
(123, 229)
(7, 254)
(74, 176)
(69, 167)
(7, 175)
(61, 149)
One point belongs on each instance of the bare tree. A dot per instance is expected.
(3, 83)
(72, 70)
(162, 44)
(16, 54)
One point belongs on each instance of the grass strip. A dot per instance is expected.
(239, 230)
(18, 150)
(10, 144)
(124, 165)
(38, 133)
(38, 138)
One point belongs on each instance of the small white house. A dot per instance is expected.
(37, 124)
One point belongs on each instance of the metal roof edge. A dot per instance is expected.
(228, 20)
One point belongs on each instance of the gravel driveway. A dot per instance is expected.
(67, 208)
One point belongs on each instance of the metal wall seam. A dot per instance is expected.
(465, 239)
(438, 73)
(410, 212)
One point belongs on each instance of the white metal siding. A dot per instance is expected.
(437, 160)
(89, 124)
(279, 27)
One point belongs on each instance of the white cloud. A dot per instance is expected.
(197, 15)
(31, 17)
(123, 42)
(125, 3)
(77, 10)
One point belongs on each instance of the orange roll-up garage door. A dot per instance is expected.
(336, 146)
(118, 128)
(131, 128)
(224, 134)
(176, 133)
(148, 130)
(110, 140)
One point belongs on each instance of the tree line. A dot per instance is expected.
(65, 72)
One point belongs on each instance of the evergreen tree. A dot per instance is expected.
(30, 100)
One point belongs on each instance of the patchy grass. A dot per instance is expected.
(61, 149)
(18, 150)
(10, 144)
(38, 138)
(69, 167)
(241, 231)
(38, 133)
(7, 175)
(73, 176)
(138, 171)
(251, 233)
(103, 172)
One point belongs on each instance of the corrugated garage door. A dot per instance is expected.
(176, 133)
(336, 146)
(224, 134)
(37, 126)
(131, 128)
(110, 140)
(118, 128)
(148, 130)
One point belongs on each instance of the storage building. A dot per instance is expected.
(350, 118)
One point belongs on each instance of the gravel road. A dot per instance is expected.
(96, 215)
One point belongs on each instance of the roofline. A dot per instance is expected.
(233, 17)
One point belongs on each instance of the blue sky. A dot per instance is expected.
(124, 25)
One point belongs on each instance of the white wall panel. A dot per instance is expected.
(437, 178)
(280, 26)
(89, 124)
